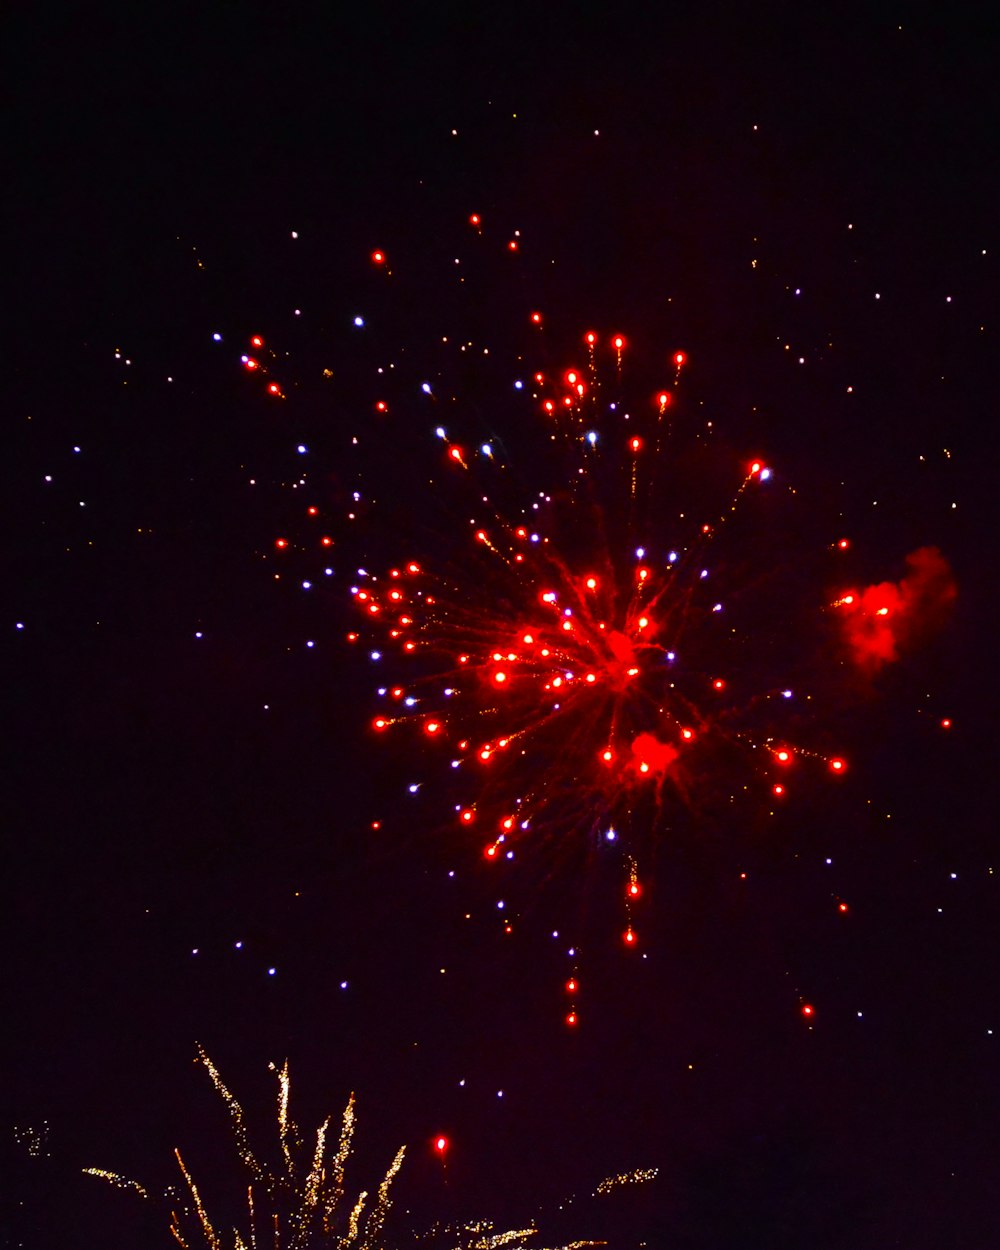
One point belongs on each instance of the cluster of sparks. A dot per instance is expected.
(301, 1203)
(638, 1176)
(561, 652)
(550, 661)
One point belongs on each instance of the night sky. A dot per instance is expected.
(803, 1040)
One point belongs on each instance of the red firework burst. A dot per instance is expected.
(578, 676)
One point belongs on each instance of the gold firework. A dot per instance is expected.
(300, 1203)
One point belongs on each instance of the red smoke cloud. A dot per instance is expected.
(880, 621)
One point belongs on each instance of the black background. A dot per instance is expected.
(156, 164)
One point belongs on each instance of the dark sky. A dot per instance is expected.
(157, 165)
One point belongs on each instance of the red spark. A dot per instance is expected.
(891, 616)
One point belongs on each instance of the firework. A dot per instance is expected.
(301, 1202)
(879, 622)
(576, 648)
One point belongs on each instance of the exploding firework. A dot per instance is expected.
(594, 615)
(301, 1202)
(584, 648)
